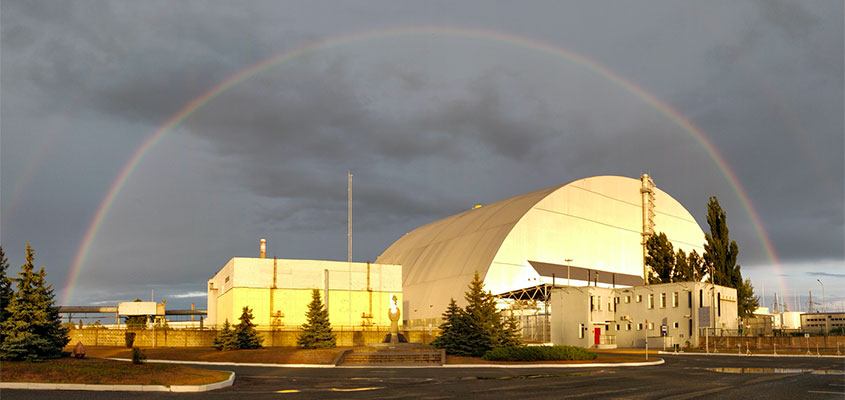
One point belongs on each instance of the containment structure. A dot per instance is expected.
(279, 290)
(590, 230)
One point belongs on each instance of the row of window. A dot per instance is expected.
(595, 301)
(822, 319)
(628, 326)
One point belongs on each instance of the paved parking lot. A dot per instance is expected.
(681, 377)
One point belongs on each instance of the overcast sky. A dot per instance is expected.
(431, 122)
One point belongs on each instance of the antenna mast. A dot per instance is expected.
(349, 216)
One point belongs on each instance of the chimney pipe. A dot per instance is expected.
(263, 248)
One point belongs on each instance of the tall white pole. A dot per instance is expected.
(349, 237)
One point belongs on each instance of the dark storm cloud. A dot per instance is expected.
(426, 132)
(828, 274)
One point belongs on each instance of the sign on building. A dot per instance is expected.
(704, 317)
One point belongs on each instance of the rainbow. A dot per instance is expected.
(505, 38)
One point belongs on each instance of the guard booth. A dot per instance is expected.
(150, 309)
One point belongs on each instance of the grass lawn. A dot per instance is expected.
(106, 372)
(270, 355)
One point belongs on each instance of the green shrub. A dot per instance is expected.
(129, 339)
(138, 356)
(538, 353)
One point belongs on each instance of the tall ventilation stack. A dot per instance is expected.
(263, 248)
(647, 191)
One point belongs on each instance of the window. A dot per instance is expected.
(651, 301)
(676, 325)
(675, 299)
(651, 325)
(719, 303)
(598, 301)
(627, 299)
(662, 300)
(580, 331)
(639, 327)
(639, 298)
(700, 298)
(617, 327)
(592, 303)
(689, 299)
(628, 328)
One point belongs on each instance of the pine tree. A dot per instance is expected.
(720, 255)
(245, 336)
(512, 335)
(225, 338)
(660, 257)
(454, 332)
(6, 291)
(485, 322)
(479, 327)
(33, 331)
(317, 331)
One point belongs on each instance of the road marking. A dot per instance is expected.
(822, 391)
(591, 394)
(697, 394)
(288, 391)
(361, 389)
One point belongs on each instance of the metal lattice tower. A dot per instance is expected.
(647, 191)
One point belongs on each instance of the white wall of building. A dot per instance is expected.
(684, 301)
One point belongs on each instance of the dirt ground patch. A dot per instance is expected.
(106, 372)
(270, 355)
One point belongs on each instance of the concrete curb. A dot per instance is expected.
(750, 355)
(224, 363)
(120, 388)
(593, 365)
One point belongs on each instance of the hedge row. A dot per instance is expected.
(538, 353)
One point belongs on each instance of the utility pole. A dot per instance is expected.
(568, 268)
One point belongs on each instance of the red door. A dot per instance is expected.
(597, 332)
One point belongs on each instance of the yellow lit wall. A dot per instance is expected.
(278, 291)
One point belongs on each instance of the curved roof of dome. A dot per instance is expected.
(428, 253)
(596, 220)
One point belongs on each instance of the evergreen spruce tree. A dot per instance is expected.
(225, 338)
(6, 291)
(660, 257)
(317, 331)
(454, 332)
(33, 331)
(720, 256)
(486, 328)
(479, 327)
(512, 336)
(245, 336)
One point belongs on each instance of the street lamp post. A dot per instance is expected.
(824, 307)
(824, 303)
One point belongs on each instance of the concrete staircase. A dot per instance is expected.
(423, 357)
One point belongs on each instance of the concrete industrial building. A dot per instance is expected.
(670, 313)
(278, 291)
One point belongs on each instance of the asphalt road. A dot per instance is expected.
(681, 377)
